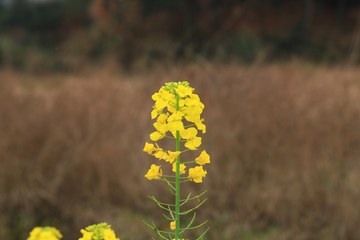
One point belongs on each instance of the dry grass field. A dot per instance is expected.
(284, 142)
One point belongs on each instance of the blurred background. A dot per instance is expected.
(280, 80)
(68, 35)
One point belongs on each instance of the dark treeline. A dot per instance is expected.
(320, 30)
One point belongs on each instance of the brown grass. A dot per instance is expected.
(283, 139)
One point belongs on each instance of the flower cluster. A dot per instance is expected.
(45, 233)
(177, 112)
(101, 231)
(175, 103)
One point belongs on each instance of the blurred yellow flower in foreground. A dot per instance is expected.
(45, 233)
(109, 235)
(101, 231)
(86, 235)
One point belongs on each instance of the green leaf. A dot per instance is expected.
(192, 209)
(202, 235)
(149, 225)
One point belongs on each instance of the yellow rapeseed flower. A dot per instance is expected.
(194, 100)
(161, 127)
(174, 103)
(172, 156)
(162, 118)
(196, 174)
(86, 235)
(155, 136)
(161, 155)
(193, 143)
(183, 91)
(109, 235)
(188, 133)
(200, 126)
(100, 231)
(193, 111)
(34, 233)
(154, 173)
(149, 148)
(162, 98)
(203, 158)
(45, 233)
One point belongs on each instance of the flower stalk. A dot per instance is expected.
(177, 196)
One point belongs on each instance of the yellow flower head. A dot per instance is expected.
(101, 231)
(162, 98)
(154, 173)
(180, 103)
(45, 233)
(203, 158)
(200, 126)
(162, 118)
(161, 155)
(196, 174)
(109, 235)
(188, 133)
(172, 156)
(86, 235)
(193, 143)
(156, 136)
(149, 148)
(193, 111)
(194, 101)
(174, 103)
(172, 225)
(34, 233)
(162, 128)
(183, 91)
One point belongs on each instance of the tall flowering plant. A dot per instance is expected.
(177, 111)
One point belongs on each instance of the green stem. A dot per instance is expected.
(177, 184)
